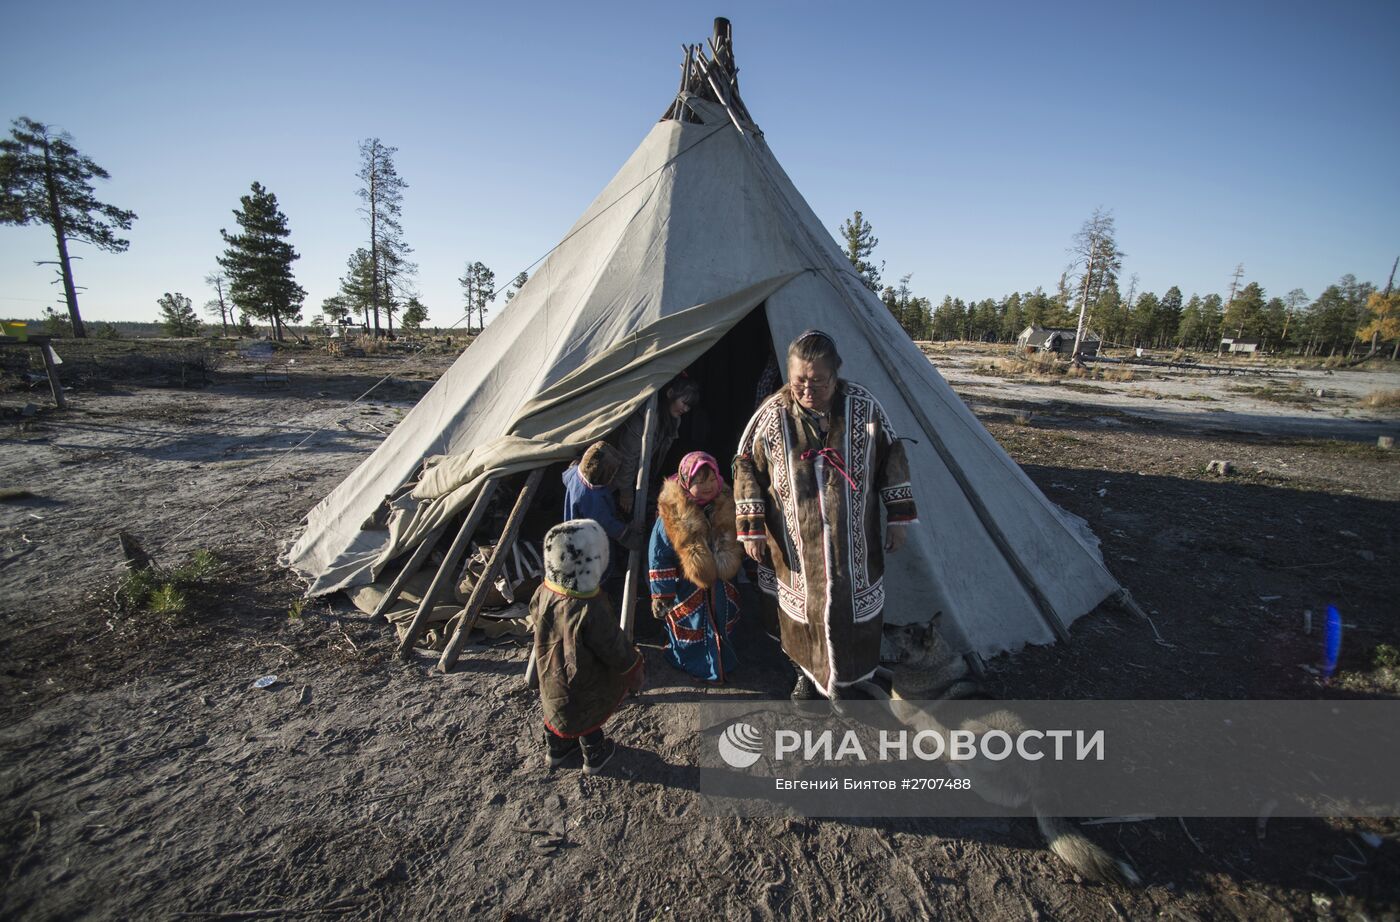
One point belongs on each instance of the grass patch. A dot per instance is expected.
(166, 601)
(1286, 394)
(165, 594)
(1358, 450)
(1040, 364)
(1084, 388)
(1385, 656)
(1382, 400)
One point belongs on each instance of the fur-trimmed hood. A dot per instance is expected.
(576, 555)
(705, 543)
(599, 465)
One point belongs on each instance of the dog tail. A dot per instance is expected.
(1087, 859)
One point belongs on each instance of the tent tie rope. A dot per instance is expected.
(832, 457)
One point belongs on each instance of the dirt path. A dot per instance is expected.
(144, 777)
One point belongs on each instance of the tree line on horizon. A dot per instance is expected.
(1347, 316)
(44, 179)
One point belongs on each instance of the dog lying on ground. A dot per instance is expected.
(925, 675)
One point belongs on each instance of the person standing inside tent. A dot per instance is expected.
(694, 555)
(818, 469)
(675, 400)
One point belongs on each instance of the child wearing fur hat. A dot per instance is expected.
(586, 665)
(694, 554)
(588, 494)
(588, 490)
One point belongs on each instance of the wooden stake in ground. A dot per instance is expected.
(55, 386)
(632, 587)
(493, 570)
(448, 568)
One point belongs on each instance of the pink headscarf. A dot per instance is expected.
(691, 465)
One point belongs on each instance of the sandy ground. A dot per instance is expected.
(145, 777)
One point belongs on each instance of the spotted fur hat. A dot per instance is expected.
(576, 555)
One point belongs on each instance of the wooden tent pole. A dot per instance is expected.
(632, 586)
(449, 566)
(420, 554)
(493, 569)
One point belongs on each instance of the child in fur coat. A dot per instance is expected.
(586, 666)
(694, 554)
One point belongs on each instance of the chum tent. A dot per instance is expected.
(701, 256)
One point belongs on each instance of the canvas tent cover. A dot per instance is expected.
(698, 228)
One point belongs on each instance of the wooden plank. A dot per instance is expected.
(52, 371)
(631, 587)
(448, 568)
(420, 554)
(493, 569)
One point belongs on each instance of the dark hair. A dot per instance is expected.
(683, 387)
(815, 346)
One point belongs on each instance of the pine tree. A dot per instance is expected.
(1012, 319)
(860, 244)
(1098, 259)
(1272, 320)
(1143, 318)
(1244, 310)
(337, 309)
(479, 287)
(382, 208)
(891, 301)
(1295, 303)
(357, 285)
(414, 313)
(45, 180)
(1168, 318)
(177, 313)
(949, 318)
(983, 321)
(220, 304)
(57, 325)
(1356, 295)
(259, 260)
(1041, 310)
(1212, 313)
(1108, 316)
(1191, 328)
(515, 285)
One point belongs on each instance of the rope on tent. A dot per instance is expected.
(407, 360)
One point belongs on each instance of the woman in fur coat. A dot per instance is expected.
(694, 554)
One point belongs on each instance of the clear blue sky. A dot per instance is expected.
(975, 139)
